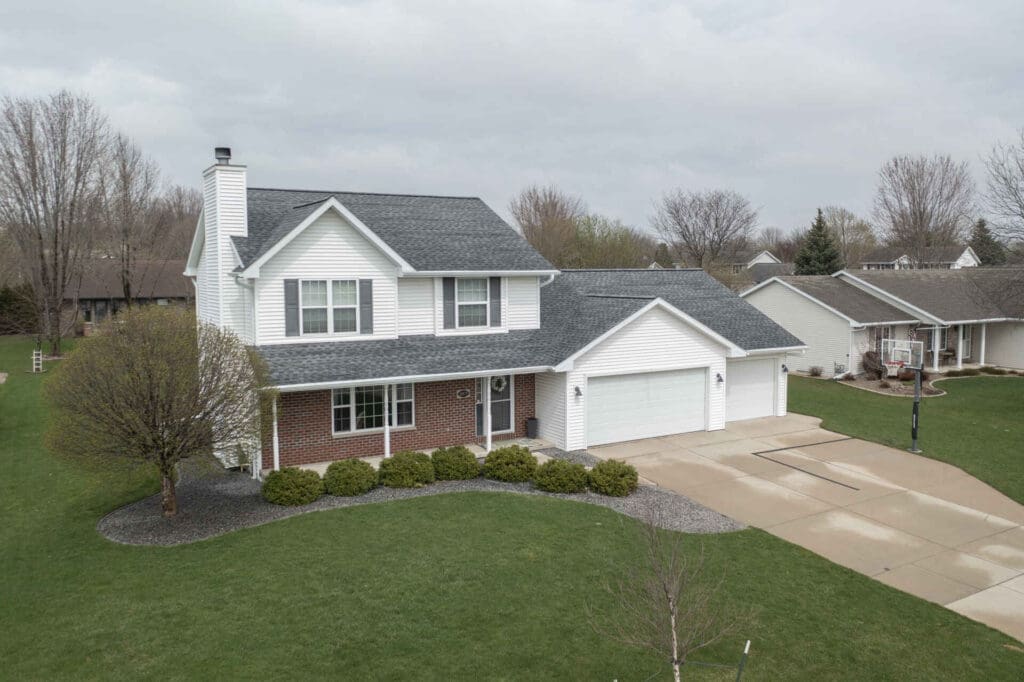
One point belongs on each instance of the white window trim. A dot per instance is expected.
(511, 402)
(968, 334)
(486, 302)
(392, 410)
(330, 309)
(883, 332)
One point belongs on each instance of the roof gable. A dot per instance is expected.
(854, 305)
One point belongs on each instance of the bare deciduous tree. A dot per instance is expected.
(666, 603)
(179, 209)
(600, 242)
(1005, 195)
(783, 245)
(705, 228)
(130, 216)
(924, 201)
(51, 154)
(547, 217)
(154, 387)
(854, 235)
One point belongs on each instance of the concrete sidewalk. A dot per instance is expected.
(914, 523)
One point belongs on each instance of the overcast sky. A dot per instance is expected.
(794, 104)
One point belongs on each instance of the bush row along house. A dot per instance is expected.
(393, 321)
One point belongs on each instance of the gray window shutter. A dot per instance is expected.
(495, 301)
(366, 306)
(448, 289)
(291, 307)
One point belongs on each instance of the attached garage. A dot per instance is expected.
(750, 389)
(644, 405)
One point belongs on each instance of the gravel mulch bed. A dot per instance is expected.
(220, 503)
(575, 456)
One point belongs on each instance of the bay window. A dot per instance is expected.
(361, 408)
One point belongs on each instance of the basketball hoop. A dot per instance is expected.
(899, 354)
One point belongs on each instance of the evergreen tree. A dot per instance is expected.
(819, 255)
(985, 245)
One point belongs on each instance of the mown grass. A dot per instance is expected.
(978, 425)
(468, 586)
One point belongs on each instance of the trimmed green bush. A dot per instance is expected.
(406, 469)
(612, 477)
(456, 463)
(512, 464)
(559, 476)
(292, 487)
(998, 371)
(350, 477)
(965, 372)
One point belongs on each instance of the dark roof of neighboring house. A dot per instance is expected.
(929, 254)
(759, 272)
(858, 305)
(955, 295)
(101, 279)
(577, 307)
(428, 232)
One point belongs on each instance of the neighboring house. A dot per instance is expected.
(745, 260)
(931, 257)
(970, 315)
(395, 322)
(759, 272)
(100, 292)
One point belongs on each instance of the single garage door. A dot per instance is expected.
(749, 389)
(631, 406)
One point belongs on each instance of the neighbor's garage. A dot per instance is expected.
(750, 389)
(632, 406)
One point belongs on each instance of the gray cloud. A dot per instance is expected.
(793, 104)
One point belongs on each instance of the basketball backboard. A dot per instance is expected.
(902, 353)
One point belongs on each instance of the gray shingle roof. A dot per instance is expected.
(955, 295)
(855, 303)
(576, 308)
(929, 254)
(759, 272)
(429, 232)
(101, 279)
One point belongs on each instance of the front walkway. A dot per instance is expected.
(914, 523)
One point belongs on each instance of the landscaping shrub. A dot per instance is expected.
(559, 476)
(884, 384)
(513, 464)
(292, 487)
(994, 370)
(350, 477)
(612, 477)
(406, 469)
(873, 367)
(816, 371)
(908, 375)
(456, 463)
(966, 372)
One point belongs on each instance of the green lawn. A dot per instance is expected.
(471, 586)
(978, 425)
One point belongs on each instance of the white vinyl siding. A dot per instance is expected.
(415, 306)
(329, 249)
(656, 341)
(1004, 344)
(826, 334)
(750, 388)
(645, 405)
(550, 402)
(220, 299)
(523, 303)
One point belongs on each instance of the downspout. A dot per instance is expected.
(487, 412)
(277, 447)
(387, 421)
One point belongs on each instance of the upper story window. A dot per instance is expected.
(472, 302)
(341, 298)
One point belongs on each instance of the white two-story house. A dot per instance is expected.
(395, 322)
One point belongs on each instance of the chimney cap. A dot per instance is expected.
(222, 154)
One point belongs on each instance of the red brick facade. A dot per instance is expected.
(442, 418)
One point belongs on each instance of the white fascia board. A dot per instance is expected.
(411, 378)
(198, 241)
(777, 351)
(734, 350)
(331, 204)
(926, 316)
(753, 260)
(850, 320)
(480, 273)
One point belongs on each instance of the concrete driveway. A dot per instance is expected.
(916, 524)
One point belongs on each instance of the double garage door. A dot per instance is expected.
(650, 404)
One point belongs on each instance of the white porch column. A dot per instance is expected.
(277, 447)
(981, 357)
(487, 412)
(959, 346)
(935, 349)
(387, 425)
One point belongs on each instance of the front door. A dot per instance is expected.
(501, 404)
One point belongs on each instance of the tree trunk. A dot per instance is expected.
(170, 498)
(54, 334)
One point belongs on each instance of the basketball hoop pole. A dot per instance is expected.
(917, 411)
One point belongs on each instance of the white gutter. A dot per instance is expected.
(412, 378)
(480, 273)
(781, 349)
